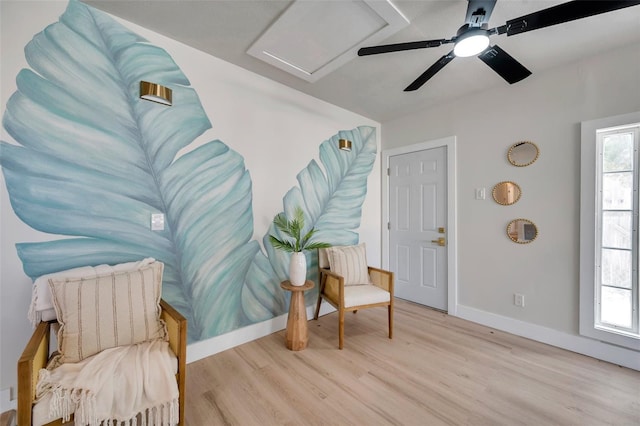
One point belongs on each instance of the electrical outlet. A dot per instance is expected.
(480, 193)
(518, 300)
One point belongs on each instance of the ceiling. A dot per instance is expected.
(373, 86)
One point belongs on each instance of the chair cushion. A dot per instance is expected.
(115, 309)
(350, 262)
(367, 294)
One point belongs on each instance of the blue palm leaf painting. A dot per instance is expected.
(93, 162)
(331, 202)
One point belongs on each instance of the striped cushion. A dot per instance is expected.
(350, 262)
(116, 309)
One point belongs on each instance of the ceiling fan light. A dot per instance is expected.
(471, 45)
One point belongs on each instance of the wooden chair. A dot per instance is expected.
(332, 288)
(36, 356)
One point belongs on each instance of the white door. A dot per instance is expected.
(417, 226)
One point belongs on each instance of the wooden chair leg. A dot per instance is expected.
(340, 328)
(323, 279)
(390, 313)
(315, 315)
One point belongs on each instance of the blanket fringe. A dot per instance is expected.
(76, 402)
(163, 415)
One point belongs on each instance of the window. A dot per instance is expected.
(616, 235)
(609, 237)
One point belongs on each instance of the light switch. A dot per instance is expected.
(480, 193)
(157, 222)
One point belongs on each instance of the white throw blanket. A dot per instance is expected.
(114, 386)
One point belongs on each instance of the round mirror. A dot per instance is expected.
(506, 193)
(523, 153)
(522, 231)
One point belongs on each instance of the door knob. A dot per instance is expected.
(439, 241)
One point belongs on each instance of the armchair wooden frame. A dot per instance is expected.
(36, 354)
(332, 289)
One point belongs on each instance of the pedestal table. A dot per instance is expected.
(296, 336)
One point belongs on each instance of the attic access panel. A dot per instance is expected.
(314, 38)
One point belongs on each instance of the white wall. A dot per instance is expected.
(546, 108)
(257, 117)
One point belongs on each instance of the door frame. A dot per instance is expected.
(452, 252)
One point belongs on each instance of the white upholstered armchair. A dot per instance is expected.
(349, 284)
(121, 350)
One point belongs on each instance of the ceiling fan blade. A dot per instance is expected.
(397, 47)
(430, 72)
(564, 12)
(479, 12)
(504, 64)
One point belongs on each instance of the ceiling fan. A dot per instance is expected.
(473, 37)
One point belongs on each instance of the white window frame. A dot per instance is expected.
(589, 222)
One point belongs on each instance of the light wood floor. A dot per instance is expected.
(436, 370)
(8, 418)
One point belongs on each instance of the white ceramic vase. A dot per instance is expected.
(298, 269)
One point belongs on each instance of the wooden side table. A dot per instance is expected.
(296, 336)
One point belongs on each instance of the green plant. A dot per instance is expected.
(293, 228)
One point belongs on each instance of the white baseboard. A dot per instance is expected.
(582, 345)
(6, 403)
(205, 348)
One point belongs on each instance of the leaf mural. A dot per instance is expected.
(94, 162)
(331, 202)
